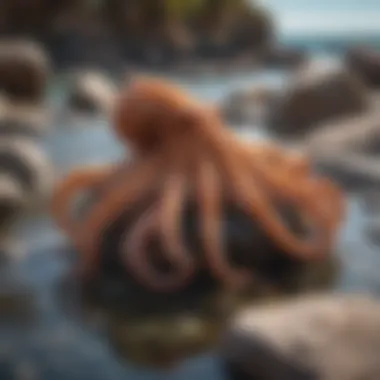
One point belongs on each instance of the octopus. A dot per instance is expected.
(182, 150)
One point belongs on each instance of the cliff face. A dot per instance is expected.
(142, 31)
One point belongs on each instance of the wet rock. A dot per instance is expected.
(12, 200)
(365, 62)
(24, 70)
(247, 106)
(23, 120)
(360, 134)
(316, 93)
(348, 149)
(283, 57)
(26, 172)
(91, 92)
(325, 337)
(273, 270)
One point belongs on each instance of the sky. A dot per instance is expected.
(325, 16)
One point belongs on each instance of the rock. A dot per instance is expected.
(348, 150)
(316, 93)
(26, 172)
(230, 31)
(284, 57)
(247, 106)
(360, 134)
(22, 119)
(91, 92)
(273, 269)
(365, 62)
(24, 70)
(327, 337)
(12, 201)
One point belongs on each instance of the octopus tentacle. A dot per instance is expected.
(169, 216)
(302, 197)
(210, 201)
(246, 187)
(115, 202)
(77, 181)
(310, 190)
(135, 255)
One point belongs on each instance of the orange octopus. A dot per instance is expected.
(181, 150)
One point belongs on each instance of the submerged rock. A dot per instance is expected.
(329, 337)
(316, 93)
(365, 62)
(247, 106)
(24, 70)
(91, 92)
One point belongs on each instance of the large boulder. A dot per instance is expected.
(327, 337)
(24, 70)
(90, 92)
(316, 93)
(365, 62)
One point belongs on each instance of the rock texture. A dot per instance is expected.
(348, 149)
(91, 92)
(365, 62)
(316, 93)
(24, 70)
(324, 337)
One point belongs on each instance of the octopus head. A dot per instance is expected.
(151, 111)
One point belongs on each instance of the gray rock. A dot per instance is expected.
(26, 175)
(348, 149)
(18, 119)
(91, 92)
(24, 70)
(324, 337)
(365, 61)
(316, 93)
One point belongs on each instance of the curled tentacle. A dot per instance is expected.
(137, 260)
(114, 203)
